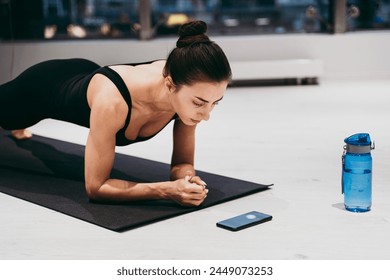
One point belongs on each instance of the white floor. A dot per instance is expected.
(290, 136)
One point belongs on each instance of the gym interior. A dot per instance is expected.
(306, 75)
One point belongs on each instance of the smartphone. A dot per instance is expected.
(244, 221)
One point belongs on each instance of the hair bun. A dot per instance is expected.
(192, 32)
(193, 28)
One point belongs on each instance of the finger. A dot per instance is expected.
(191, 199)
(194, 182)
(197, 201)
(198, 196)
(195, 188)
(198, 180)
(188, 178)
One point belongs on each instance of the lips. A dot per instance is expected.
(195, 121)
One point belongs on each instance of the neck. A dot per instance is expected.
(160, 98)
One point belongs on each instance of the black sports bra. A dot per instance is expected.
(121, 139)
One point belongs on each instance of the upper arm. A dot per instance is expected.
(183, 143)
(107, 117)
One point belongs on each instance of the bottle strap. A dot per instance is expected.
(342, 170)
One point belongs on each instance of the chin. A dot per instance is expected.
(190, 122)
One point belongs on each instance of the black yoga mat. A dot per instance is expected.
(50, 173)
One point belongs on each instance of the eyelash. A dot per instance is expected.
(198, 104)
(201, 104)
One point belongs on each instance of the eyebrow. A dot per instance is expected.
(203, 100)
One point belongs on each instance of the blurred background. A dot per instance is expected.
(146, 19)
(303, 40)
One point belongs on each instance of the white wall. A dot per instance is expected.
(351, 55)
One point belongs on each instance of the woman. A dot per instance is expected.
(124, 104)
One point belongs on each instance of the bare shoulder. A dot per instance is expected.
(106, 102)
(141, 72)
(157, 64)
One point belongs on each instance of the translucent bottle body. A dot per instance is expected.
(357, 182)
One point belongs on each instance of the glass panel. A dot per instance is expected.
(90, 18)
(368, 14)
(21, 19)
(245, 16)
(75, 19)
(63, 19)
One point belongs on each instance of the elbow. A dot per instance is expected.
(93, 191)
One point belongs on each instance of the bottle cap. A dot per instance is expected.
(359, 143)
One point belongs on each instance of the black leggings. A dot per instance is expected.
(29, 98)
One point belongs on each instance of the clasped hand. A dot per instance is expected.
(190, 191)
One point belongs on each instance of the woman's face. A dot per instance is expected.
(194, 103)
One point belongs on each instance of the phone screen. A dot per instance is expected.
(244, 221)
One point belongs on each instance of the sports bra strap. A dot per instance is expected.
(121, 139)
(124, 91)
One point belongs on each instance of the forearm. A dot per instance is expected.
(184, 191)
(179, 171)
(121, 190)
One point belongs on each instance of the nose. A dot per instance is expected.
(205, 114)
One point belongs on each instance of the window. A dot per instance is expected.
(368, 15)
(83, 19)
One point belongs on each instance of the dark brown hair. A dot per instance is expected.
(196, 58)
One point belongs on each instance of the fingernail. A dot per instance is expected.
(204, 183)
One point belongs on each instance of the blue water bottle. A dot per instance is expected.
(357, 172)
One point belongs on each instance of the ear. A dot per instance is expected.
(169, 84)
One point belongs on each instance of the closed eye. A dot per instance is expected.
(205, 102)
(197, 104)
